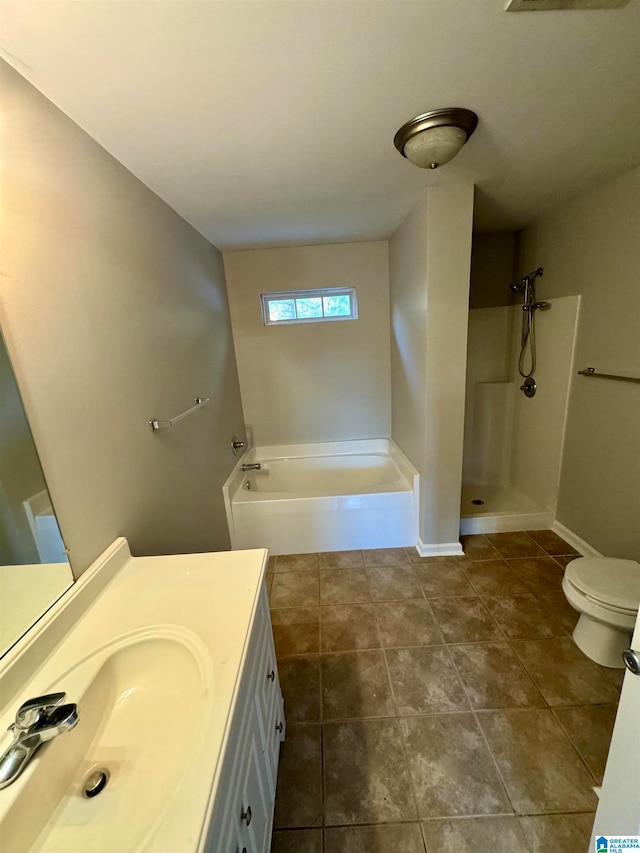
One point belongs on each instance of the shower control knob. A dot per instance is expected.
(632, 661)
(529, 387)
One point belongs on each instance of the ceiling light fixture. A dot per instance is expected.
(432, 139)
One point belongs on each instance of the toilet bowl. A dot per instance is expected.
(606, 593)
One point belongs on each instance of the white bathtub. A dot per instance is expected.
(333, 496)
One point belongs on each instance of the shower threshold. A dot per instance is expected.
(502, 510)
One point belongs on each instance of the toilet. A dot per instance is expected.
(606, 593)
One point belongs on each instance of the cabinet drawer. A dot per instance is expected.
(254, 804)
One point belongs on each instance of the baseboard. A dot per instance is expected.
(505, 523)
(574, 540)
(445, 549)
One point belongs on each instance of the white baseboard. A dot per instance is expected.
(574, 540)
(445, 549)
(505, 523)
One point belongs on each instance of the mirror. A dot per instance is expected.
(34, 569)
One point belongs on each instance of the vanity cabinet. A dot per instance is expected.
(243, 810)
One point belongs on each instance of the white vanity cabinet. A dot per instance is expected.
(243, 810)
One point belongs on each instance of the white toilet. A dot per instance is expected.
(606, 593)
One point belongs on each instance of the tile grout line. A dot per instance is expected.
(373, 603)
(485, 741)
(403, 745)
(579, 754)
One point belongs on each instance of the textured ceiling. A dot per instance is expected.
(271, 123)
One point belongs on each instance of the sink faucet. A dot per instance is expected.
(37, 721)
(251, 466)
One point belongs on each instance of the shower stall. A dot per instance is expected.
(519, 369)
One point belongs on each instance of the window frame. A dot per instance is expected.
(315, 293)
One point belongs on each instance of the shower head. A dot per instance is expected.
(519, 286)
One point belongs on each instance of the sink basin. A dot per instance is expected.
(143, 701)
(151, 650)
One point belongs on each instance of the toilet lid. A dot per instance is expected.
(608, 580)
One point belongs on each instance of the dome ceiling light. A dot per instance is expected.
(432, 139)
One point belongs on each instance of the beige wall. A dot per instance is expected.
(493, 268)
(114, 311)
(591, 246)
(429, 259)
(313, 381)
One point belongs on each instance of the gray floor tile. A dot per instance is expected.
(300, 685)
(299, 793)
(296, 630)
(342, 560)
(389, 583)
(355, 684)
(589, 728)
(563, 674)
(407, 623)
(385, 557)
(297, 562)
(540, 574)
(518, 544)
(539, 766)
(440, 580)
(366, 778)
(379, 838)
(523, 617)
(494, 677)
(563, 833)
(478, 547)
(475, 835)
(348, 627)
(295, 589)
(296, 841)
(424, 681)
(493, 577)
(344, 586)
(451, 768)
(464, 620)
(552, 543)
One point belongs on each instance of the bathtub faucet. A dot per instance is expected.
(37, 721)
(251, 466)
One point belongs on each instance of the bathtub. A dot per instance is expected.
(332, 496)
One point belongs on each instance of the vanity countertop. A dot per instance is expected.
(191, 616)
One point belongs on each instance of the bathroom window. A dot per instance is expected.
(309, 306)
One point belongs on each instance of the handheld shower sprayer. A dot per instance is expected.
(527, 287)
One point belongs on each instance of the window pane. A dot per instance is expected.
(337, 306)
(309, 307)
(282, 309)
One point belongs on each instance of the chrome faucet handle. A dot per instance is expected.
(237, 445)
(56, 721)
(31, 712)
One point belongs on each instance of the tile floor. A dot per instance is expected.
(436, 704)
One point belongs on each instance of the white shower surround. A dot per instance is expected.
(520, 440)
(329, 496)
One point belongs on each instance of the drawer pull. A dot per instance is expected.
(272, 675)
(279, 728)
(246, 815)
